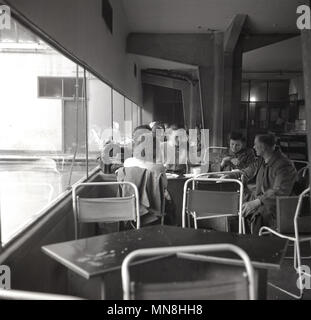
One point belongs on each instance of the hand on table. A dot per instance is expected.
(234, 161)
(224, 161)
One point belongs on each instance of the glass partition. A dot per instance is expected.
(52, 111)
(42, 127)
(128, 125)
(118, 117)
(99, 98)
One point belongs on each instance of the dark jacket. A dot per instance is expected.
(273, 179)
(244, 158)
(150, 185)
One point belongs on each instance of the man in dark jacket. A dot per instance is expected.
(275, 176)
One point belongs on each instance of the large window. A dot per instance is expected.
(51, 110)
(265, 106)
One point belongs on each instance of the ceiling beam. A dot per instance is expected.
(192, 49)
(255, 41)
(163, 81)
(277, 75)
(232, 34)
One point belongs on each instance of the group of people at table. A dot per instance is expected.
(273, 172)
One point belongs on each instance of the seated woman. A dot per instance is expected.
(144, 151)
(239, 157)
(152, 184)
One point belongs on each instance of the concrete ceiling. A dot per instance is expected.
(188, 16)
(201, 16)
(284, 56)
(146, 62)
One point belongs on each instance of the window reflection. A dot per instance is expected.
(43, 136)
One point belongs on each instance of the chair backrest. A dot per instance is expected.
(287, 208)
(303, 180)
(95, 210)
(198, 289)
(213, 186)
(207, 204)
(212, 203)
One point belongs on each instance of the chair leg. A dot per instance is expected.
(243, 226)
(195, 223)
(296, 261)
(297, 266)
(295, 296)
(188, 218)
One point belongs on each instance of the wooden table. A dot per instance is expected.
(99, 256)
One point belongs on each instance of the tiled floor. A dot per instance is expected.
(286, 277)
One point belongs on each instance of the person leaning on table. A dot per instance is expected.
(275, 176)
(238, 157)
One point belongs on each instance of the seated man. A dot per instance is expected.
(275, 176)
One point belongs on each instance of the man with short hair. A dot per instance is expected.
(275, 176)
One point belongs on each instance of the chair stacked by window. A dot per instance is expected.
(110, 209)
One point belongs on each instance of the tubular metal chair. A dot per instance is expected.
(95, 210)
(185, 289)
(205, 204)
(8, 294)
(303, 169)
(296, 238)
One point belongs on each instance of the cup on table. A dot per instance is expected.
(196, 170)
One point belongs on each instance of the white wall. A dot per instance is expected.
(79, 27)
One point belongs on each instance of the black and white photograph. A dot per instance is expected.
(155, 151)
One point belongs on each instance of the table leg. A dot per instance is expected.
(102, 288)
(262, 279)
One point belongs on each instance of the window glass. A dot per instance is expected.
(41, 133)
(118, 116)
(278, 91)
(135, 115)
(258, 91)
(99, 116)
(128, 119)
(245, 91)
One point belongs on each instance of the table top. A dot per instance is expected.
(98, 255)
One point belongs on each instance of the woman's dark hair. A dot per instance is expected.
(142, 127)
(267, 139)
(237, 136)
